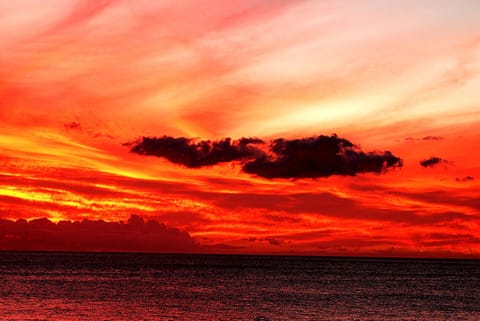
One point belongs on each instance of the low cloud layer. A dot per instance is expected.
(310, 157)
(133, 236)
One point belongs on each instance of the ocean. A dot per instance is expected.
(120, 286)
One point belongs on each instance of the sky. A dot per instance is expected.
(264, 127)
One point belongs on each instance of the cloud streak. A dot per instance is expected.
(311, 157)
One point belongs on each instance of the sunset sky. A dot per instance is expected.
(96, 95)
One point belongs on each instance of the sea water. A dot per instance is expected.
(108, 286)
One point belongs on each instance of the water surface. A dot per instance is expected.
(106, 286)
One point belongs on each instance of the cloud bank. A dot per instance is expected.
(311, 157)
(133, 236)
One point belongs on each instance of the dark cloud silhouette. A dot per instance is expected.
(464, 179)
(309, 157)
(412, 139)
(72, 125)
(197, 154)
(320, 156)
(432, 138)
(432, 161)
(134, 236)
(270, 240)
(222, 248)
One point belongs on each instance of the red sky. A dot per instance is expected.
(78, 80)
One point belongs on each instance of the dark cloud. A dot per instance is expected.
(432, 161)
(309, 157)
(355, 243)
(222, 248)
(72, 125)
(134, 236)
(412, 139)
(320, 156)
(269, 240)
(432, 138)
(197, 154)
(464, 179)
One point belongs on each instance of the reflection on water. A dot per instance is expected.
(74, 286)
